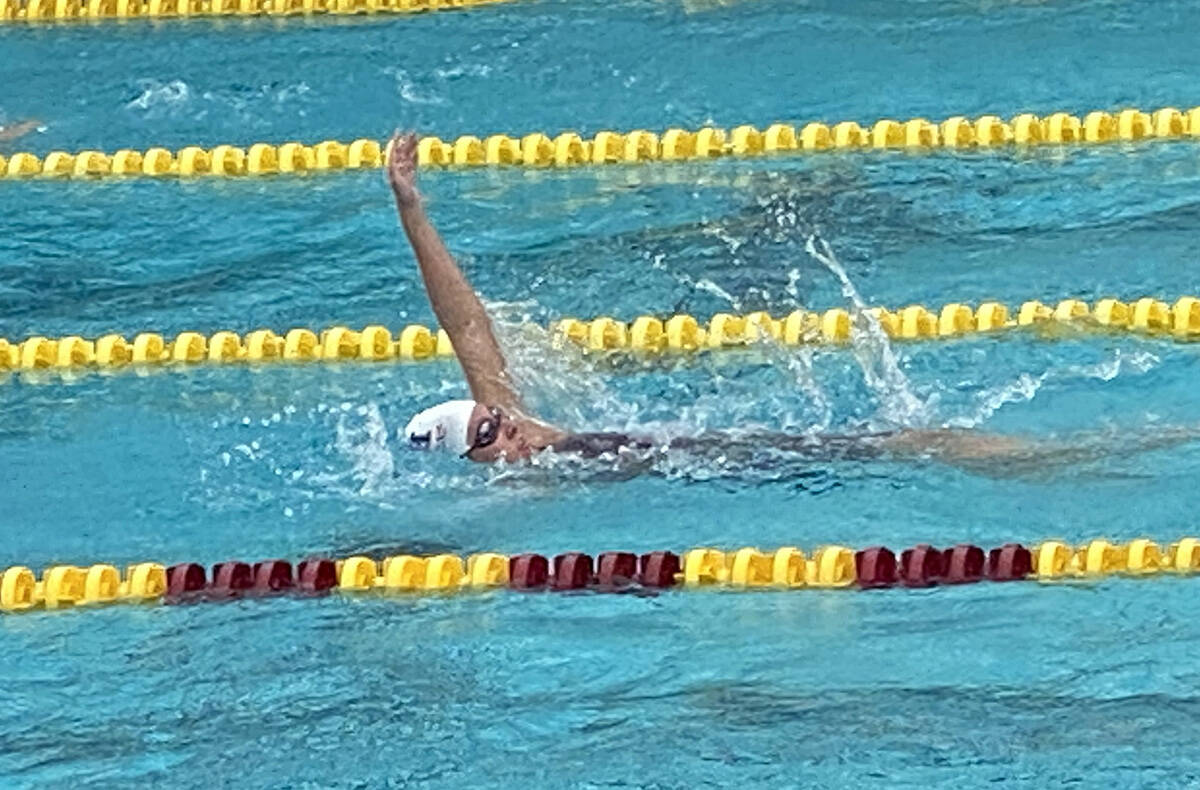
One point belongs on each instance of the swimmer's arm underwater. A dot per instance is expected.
(458, 309)
(18, 129)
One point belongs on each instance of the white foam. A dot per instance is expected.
(157, 94)
(1021, 390)
(363, 439)
(407, 88)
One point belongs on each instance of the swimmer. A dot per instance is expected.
(494, 424)
(19, 129)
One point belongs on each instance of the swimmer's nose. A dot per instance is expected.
(512, 431)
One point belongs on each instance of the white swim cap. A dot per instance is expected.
(444, 425)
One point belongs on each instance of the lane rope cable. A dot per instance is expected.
(647, 335)
(785, 568)
(569, 149)
(16, 11)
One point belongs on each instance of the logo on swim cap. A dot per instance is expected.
(442, 426)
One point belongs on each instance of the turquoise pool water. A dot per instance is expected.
(1023, 685)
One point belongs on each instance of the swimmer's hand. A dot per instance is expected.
(18, 129)
(402, 168)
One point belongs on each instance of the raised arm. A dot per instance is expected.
(458, 309)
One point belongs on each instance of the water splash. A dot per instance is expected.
(708, 286)
(800, 365)
(377, 469)
(1021, 390)
(408, 90)
(363, 439)
(898, 405)
(246, 102)
(1137, 363)
(1025, 387)
(557, 384)
(771, 388)
(463, 70)
(157, 94)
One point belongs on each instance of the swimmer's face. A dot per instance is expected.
(494, 435)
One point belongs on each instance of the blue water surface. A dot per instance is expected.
(1020, 685)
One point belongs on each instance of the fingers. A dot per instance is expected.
(395, 143)
(408, 146)
(402, 148)
(401, 169)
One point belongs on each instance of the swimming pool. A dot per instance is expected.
(1027, 684)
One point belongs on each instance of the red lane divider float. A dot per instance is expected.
(785, 568)
(925, 566)
(188, 581)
